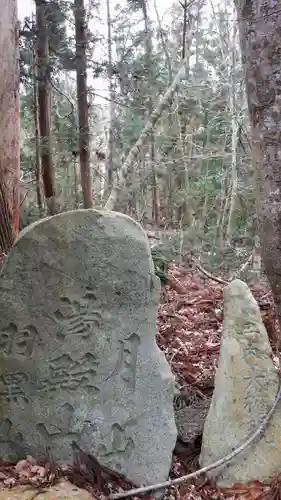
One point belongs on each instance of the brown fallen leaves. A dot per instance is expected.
(189, 326)
(255, 491)
(27, 471)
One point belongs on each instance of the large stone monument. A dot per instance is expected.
(78, 357)
(246, 384)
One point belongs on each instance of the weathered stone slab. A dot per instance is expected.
(246, 384)
(78, 357)
(61, 491)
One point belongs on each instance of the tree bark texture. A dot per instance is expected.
(10, 120)
(37, 136)
(82, 102)
(110, 160)
(149, 75)
(44, 106)
(260, 39)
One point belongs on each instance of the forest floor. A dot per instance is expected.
(189, 326)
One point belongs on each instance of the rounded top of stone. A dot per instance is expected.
(121, 221)
(237, 290)
(236, 285)
(239, 300)
(89, 237)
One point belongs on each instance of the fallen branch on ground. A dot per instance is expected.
(221, 461)
(209, 275)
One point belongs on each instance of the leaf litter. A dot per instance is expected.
(189, 326)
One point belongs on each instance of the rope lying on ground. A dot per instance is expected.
(221, 461)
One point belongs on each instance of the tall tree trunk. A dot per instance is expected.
(74, 160)
(164, 45)
(37, 136)
(260, 38)
(169, 187)
(82, 102)
(182, 177)
(9, 137)
(110, 161)
(184, 30)
(234, 127)
(149, 70)
(44, 107)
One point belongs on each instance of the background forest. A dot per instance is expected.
(193, 176)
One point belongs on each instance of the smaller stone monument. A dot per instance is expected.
(246, 384)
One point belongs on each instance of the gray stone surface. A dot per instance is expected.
(246, 384)
(78, 357)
